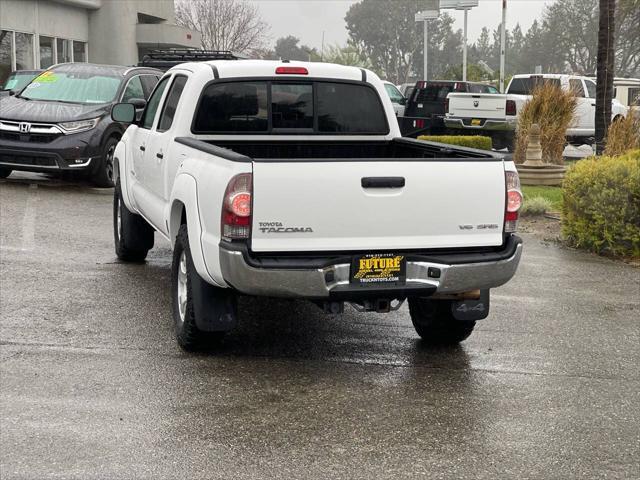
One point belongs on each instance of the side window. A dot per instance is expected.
(576, 87)
(591, 88)
(634, 97)
(148, 84)
(171, 103)
(133, 89)
(152, 104)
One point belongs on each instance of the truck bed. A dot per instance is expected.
(279, 150)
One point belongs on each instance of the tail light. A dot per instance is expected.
(513, 203)
(511, 108)
(291, 71)
(446, 105)
(236, 208)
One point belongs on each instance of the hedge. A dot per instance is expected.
(471, 141)
(601, 209)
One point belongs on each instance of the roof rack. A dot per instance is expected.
(165, 59)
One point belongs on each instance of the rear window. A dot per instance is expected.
(525, 85)
(435, 92)
(290, 107)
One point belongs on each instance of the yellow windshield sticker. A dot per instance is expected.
(46, 77)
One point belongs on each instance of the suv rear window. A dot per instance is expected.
(292, 107)
(525, 85)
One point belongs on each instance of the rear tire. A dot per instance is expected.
(183, 276)
(5, 172)
(434, 322)
(132, 235)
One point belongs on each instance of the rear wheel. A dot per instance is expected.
(5, 172)
(184, 280)
(132, 235)
(434, 322)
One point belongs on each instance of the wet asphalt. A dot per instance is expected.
(93, 386)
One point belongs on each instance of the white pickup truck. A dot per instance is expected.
(291, 180)
(496, 116)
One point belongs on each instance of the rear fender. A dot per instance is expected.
(184, 202)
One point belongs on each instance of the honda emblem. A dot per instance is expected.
(24, 127)
(476, 103)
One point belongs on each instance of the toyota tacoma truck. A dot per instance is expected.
(286, 179)
(496, 116)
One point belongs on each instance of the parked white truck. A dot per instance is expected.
(496, 116)
(291, 180)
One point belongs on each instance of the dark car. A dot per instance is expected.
(61, 121)
(427, 105)
(17, 80)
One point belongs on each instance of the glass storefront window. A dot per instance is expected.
(64, 50)
(79, 51)
(24, 51)
(6, 39)
(46, 52)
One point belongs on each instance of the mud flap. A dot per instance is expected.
(467, 310)
(215, 308)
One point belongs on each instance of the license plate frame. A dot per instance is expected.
(373, 269)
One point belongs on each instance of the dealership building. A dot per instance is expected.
(40, 33)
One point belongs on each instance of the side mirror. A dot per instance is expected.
(123, 113)
(403, 101)
(12, 93)
(139, 103)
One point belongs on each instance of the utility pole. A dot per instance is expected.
(503, 40)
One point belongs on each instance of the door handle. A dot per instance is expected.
(142, 148)
(593, 104)
(382, 182)
(160, 156)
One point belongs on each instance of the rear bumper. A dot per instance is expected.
(457, 273)
(502, 125)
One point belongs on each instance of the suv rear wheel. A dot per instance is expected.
(132, 235)
(434, 322)
(103, 175)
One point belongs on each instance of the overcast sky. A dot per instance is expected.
(307, 19)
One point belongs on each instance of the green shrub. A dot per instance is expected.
(471, 141)
(536, 206)
(601, 209)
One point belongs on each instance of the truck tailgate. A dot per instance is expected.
(342, 205)
(477, 105)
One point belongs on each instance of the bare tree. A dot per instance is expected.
(233, 25)
(604, 83)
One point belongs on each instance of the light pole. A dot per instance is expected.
(503, 40)
(464, 48)
(464, 5)
(432, 12)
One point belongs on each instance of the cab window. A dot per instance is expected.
(171, 103)
(152, 105)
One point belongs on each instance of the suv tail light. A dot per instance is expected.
(510, 108)
(236, 208)
(513, 201)
(446, 105)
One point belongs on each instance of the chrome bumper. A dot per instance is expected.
(493, 125)
(321, 282)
